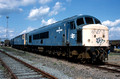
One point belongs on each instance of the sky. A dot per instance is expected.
(27, 15)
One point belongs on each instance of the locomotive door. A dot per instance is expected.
(70, 33)
(67, 30)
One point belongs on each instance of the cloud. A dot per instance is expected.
(114, 33)
(56, 9)
(38, 13)
(6, 11)
(27, 30)
(10, 6)
(43, 11)
(27, 2)
(3, 32)
(44, 1)
(114, 29)
(50, 21)
(111, 23)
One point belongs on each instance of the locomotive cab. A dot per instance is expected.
(93, 36)
(90, 32)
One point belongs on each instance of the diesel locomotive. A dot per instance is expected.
(81, 37)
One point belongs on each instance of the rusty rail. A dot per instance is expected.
(47, 75)
(116, 70)
(13, 76)
(111, 70)
(112, 65)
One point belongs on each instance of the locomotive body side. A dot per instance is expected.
(58, 34)
(19, 42)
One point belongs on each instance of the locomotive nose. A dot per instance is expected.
(95, 35)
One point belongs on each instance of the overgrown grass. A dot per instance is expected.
(72, 67)
(16, 51)
(55, 64)
(7, 48)
(1, 67)
(117, 50)
(113, 53)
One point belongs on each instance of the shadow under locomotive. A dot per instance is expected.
(89, 55)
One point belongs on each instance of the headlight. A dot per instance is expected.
(88, 40)
(103, 36)
(94, 36)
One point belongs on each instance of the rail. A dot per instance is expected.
(43, 73)
(106, 66)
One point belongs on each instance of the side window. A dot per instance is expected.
(41, 35)
(72, 25)
(36, 36)
(44, 35)
(30, 39)
(80, 21)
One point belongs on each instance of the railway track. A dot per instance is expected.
(19, 69)
(107, 66)
(110, 67)
(3, 73)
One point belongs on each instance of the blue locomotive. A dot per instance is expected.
(80, 37)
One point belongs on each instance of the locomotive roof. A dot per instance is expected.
(58, 22)
(62, 21)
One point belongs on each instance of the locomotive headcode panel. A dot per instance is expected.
(95, 35)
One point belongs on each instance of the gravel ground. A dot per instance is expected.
(63, 69)
(114, 58)
(3, 73)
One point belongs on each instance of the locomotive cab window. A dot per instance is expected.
(97, 21)
(89, 20)
(80, 21)
(72, 25)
